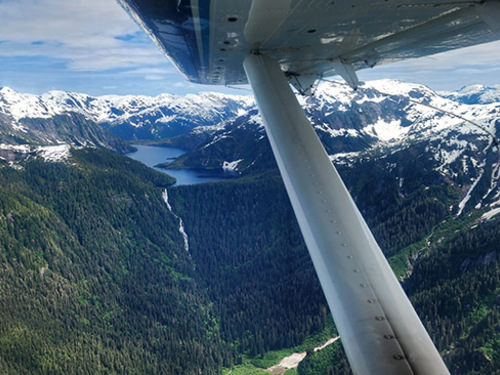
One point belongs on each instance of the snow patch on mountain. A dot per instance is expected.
(15, 153)
(18, 148)
(464, 201)
(387, 131)
(232, 166)
(55, 154)
(393, 87)
(490, 214)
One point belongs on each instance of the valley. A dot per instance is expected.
(95, 273)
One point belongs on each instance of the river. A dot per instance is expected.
(153, 155)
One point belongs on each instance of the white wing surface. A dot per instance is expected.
(209, 39)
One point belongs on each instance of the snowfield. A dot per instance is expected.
(54, 154)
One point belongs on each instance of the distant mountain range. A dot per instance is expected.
(379, 112)
(380, 119)
(475, 94)
(129, 117)
(226, 132)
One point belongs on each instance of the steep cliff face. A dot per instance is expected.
(69, 128)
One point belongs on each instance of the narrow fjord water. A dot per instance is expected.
(153, 155)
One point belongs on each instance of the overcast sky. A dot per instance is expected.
(92, 46)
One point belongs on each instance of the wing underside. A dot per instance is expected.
(209, 39)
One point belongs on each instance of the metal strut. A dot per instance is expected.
(380, 331)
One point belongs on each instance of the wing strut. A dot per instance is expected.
(380, 331)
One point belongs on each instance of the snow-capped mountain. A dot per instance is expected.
(130, 117)
(391, 113)
(381, 114)
(225, 132)
(475, 94)
(380, 111)
(382, 118)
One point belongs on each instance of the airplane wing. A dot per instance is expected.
(271, 43)
(209, 39)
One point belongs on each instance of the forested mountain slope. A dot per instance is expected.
(94, 278)
(269, 296)
(249, 254)
(447, 258)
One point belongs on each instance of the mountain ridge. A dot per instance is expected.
(225, 132)
(380, 119)
(475, 94)
(146, 117)
(131, 116)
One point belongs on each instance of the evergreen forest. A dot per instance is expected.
(95, 277)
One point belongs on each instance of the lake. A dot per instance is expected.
(153, 155)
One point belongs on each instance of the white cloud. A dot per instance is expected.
(76, 22)
(85, 33)
(448, 70)
(151, 77)
(188, 85)
(152, 71)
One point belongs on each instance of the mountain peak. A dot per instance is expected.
(9, 95)
(471, 88)
(475, 94)
(5, 89)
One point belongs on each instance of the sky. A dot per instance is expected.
(93, 47)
